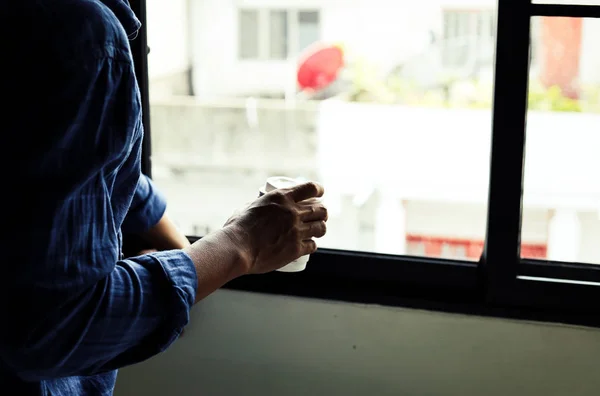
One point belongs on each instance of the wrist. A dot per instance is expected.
(242, 248)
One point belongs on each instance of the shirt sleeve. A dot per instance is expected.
(133, 313)
(148, 206)
(68, 305)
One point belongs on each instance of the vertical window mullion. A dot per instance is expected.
(502, 248)
(139, 50)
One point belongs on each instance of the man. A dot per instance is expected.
(72, 309)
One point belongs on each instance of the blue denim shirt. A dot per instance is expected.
(71, 310)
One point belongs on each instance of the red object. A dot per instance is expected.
(319, 66)
(464, 248)
(561, 46)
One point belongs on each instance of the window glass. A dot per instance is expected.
(400, 139)
(468, 37)
(278, 35)
(562, 181)
(248, 34)
(309, 28)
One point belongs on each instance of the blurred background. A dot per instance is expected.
(398, 132)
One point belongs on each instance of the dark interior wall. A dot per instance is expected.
(251, 344)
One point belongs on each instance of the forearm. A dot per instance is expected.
(165, 235)
(134, 312)
(218, 259)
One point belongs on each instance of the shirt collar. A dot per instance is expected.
(125, 15)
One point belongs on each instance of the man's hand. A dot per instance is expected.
(271, 232)
(279, 227)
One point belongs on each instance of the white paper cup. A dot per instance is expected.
(274, 183)
(297, 265)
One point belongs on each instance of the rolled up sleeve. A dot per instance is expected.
(147, 207)
(135, 312)
(160, 289)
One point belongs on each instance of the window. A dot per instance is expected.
(418, 201)
(309, 26)
(468, 38)
(562, 120)
(225, 146)
(276, 34)
(248, 35)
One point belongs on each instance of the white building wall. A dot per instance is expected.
(217, 69)
(590, 56)
(467, 221)
(209, 161)
(381, 31)
(589, 250)
(168, 37)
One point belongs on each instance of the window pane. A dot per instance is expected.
(309, 28)
(468, 38)
(562, 166)
(248, 34)
(400, 140)
(278, 35)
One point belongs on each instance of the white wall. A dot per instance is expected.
(380, 31)
(383, 32)
(168, 37)
(590, 56)
(217, 70)
(590, 237)
(210, 160)
(253, 344)
(363, 146)
(467, 221)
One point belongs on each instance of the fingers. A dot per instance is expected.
(313, 212)
(306, 191)
(308, 247)
(314, 229)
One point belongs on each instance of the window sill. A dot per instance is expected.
(435, 285)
